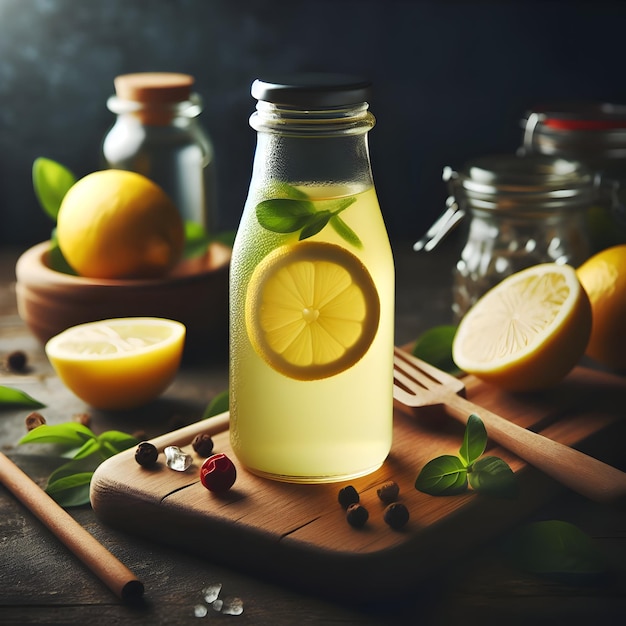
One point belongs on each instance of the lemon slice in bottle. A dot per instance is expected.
(119, 363)
(528, 331)
(312, 310)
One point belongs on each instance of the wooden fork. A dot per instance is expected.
(419, 384)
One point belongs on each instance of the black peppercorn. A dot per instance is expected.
(33, 420)
(347, 496)
(357, 515)
(83, 418)
(203, 444)
(388, 492)
(396, 515)
(16, 361)
(146, 454)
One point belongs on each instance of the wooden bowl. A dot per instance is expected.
(195, 293)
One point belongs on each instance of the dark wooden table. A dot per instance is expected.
(40, 582)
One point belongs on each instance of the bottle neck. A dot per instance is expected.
(349, 120)
(314, 147)
(154, 113)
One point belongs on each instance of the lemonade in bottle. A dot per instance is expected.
(312, 290)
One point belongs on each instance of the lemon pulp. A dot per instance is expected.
(120, 363)
(528, 331)
(312, 310)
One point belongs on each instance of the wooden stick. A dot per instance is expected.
(93, 554)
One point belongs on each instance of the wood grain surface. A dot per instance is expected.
(42, 583)
(297, 534)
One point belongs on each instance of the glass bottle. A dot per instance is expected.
(312, 290)
(522, 211)
(595, 135)
(156, 133)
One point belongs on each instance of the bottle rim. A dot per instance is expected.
(189, 108)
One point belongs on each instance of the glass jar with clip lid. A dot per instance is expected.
(593, 133)
(522, 211)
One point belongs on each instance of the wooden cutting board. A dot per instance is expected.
(298, 534)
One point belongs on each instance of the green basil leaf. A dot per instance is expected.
(69, 433)
(87, 449)
(226, 237)
(56, 260)
(70, 490)
(51, 182)
(474, 440)
(444, 475)
(315, 224)
(15, 397)
(117, 441)
(435, 347)
(196, 240)
(284, 215)
(218, 405)
(345, 232)
(493, 476)
(557, 550)
(74, 467)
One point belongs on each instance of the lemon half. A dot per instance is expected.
(312, 310)
(528, 331)
(118, 363)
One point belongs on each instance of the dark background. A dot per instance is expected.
(452, 81)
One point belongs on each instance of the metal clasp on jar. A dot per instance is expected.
(446, 222)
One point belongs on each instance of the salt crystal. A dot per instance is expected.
(200, 610)
(176, 459)
(232, 606)
(217, 605)
(210, 592)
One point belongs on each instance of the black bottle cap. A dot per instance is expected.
(312, 90)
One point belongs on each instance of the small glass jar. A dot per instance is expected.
(523, 211)
(595, 135)
(157, 134)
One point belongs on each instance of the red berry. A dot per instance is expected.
(218, 473)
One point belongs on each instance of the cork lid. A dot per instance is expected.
(154, 87)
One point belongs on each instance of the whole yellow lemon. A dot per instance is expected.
(604, 278)
(119, 224)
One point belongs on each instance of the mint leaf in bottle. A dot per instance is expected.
(345, 232)
(284, 215)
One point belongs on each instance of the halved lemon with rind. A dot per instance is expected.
(119, 363)
(528, 331)
(312, 310)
